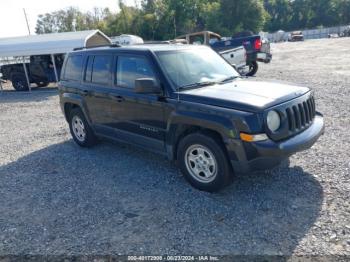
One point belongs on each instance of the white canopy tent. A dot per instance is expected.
(50, 44)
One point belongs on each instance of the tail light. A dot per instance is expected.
(257, 44)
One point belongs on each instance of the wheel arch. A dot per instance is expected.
(70, 101)
(68, 107)
(221, 130)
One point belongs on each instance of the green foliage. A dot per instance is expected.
(72, 19)
(243, 15)
(302, 14)
(279, 14)
(165, 19)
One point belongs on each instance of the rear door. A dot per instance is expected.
(97, 83)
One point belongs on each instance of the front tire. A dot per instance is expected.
(203, 162)
(19, 82)
(80, 130)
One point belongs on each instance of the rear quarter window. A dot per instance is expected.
(73, 68)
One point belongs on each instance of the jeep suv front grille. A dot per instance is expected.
(296, 116)
(301, 115)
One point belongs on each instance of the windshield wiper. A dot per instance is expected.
(198, 84)
(228, 79)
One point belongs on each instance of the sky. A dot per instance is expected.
(13, 23)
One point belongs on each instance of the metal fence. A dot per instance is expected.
(308, 34)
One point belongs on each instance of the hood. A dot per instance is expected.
(242, 94)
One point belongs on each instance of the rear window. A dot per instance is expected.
(73, 68)
(98, 69)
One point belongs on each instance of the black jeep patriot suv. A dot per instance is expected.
(189, 104)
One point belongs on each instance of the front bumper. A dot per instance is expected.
(267, 154)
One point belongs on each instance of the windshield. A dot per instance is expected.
(195, 67)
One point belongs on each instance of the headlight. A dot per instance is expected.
(273, 121)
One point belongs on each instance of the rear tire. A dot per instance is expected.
(203, 162)
(253, 68)
(80, 130)
(19, 82)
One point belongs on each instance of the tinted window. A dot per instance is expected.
(73, 67)
(100, 69)
(131, 68)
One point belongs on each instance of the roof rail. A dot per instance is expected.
(96, 46)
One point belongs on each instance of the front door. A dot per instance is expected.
(138, 118)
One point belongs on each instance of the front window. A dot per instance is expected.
(130, 68)
(193, 67)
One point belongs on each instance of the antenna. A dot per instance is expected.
(25, 16)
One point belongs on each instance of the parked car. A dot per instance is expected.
(40, 71)
(333, 35)
(189, 104)
(279, 36)
(346, 32)
(257, 49)
(236, 55)
(296, 36)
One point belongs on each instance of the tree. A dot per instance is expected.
(240, 15)
(72, 19)
(166, 19)
(279, 14)
(342, 9)
(324, 13)
(127, 21)
(302, 14)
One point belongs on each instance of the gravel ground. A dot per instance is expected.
(57, 198)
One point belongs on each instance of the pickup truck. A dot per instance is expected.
(40, 71)
(257, 49)
(236, 55)
(187, 103)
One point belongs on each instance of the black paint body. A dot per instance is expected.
(158, 121)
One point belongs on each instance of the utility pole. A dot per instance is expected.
(122, 6)
(25, 15)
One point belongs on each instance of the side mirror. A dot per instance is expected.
(147, 86)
